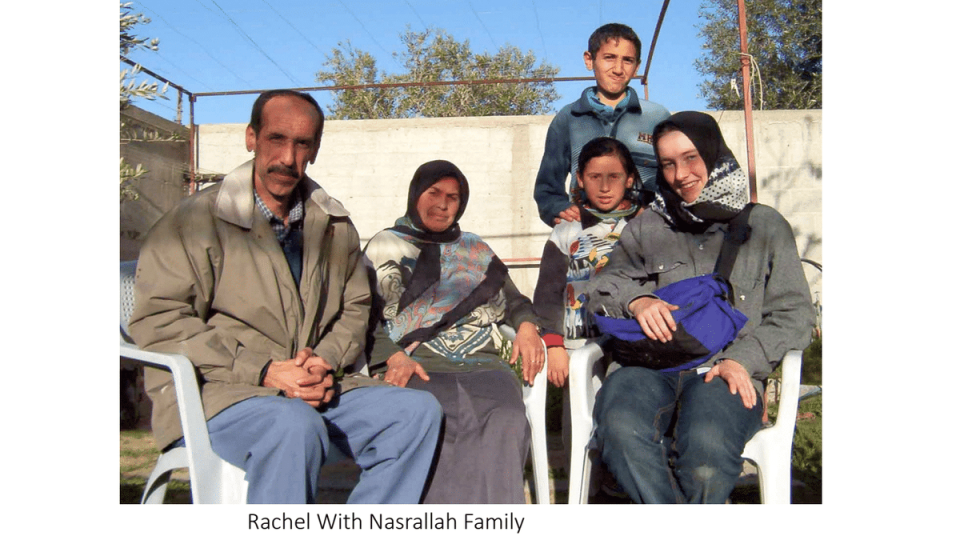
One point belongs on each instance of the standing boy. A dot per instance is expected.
(611, 109)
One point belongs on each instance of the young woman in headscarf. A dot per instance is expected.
(677, 437)
(440, 292)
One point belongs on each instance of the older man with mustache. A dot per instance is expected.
(259, 281)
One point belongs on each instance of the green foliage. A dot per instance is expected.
(127, 173)
(136, 434)
(807, 463)
(129, 41)
(785, 39)
(131, 489)
(506, 349)
(352, 67)
(812, 372)
(435, 55)
(808, 438)
(131, 89)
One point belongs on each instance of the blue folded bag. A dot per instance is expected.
(706, 321)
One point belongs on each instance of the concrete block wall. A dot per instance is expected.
(368, 164)
(162, 187)
(789, 173)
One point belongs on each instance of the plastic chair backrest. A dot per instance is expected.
(128, 272)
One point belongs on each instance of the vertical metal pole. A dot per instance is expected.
(653, 45)
(747, 101)
(180, 107)
(193, 142)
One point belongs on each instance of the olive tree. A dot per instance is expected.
(430, 56)
(785, 40)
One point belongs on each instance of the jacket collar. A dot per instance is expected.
(235, 202)
(583, 106)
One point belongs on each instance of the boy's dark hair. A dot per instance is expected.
(605, 146)
(613, 31)
(256, 116)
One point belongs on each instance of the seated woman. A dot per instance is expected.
(674, 437)
(439, 294)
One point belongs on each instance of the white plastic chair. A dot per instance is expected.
(770, 449)
(535, 403)
(212, 480)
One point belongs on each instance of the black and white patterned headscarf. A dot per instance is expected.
(727, 190)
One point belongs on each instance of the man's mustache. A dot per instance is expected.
(284, 170)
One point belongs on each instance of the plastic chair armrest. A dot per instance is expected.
(201, 456)
(789, 390)
(583, 387)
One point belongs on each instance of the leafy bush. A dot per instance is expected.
(812, 363)
(807, 463)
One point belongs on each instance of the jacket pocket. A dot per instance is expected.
(665, 268)
(747, 296)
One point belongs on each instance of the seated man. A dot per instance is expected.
(260, 283)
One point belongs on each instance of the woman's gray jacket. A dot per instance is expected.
(769, 286)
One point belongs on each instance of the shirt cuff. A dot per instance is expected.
(552, 340)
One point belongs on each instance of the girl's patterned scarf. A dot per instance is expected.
(726, 192)
(612, 215)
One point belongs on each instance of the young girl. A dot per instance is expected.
(577, 250)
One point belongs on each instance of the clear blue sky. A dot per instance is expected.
(227, 45)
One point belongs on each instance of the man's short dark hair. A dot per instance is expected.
(256, 117)
(613, 31)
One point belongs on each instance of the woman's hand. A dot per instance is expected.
(529, 347)
(400, 368)
(558, 366)
(737, 379)
(655, 318)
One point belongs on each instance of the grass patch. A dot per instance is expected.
(812, 371)
(131, 489)
(140, 452)
(136, 434)
(138, 455)
(133, 469)
(807, 462)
